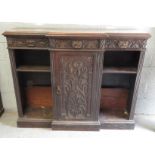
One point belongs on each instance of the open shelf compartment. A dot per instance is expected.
(36, 94)
(123, 62)
(32, 60)
(116, 96)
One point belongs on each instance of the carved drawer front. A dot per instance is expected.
(123, 43)
(74, 80)
(29, 42)
(74, 43)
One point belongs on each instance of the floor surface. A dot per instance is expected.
(145, 125)
(139, 141)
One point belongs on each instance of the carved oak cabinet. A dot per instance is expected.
(69, 80)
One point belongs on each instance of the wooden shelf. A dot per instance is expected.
(120, 70)
(113, 116)
(33, 69)
(42, 112)
(115, 120)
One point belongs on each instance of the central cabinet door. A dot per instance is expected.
(77, 79)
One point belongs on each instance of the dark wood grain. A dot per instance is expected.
(16, 83)
(39, 97)
(114, 100)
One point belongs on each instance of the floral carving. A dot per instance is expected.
(76, 74)
(77, 44)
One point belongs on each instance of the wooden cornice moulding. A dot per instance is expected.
(46, 38)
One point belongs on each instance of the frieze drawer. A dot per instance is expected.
(123, 43)
(28, 42)
(75, 44)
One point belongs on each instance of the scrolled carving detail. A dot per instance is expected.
(91, 44)
(119, 43)
(28, 42)
(77, 71)
(69, 43)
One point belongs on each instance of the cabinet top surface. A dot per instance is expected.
(82, 32)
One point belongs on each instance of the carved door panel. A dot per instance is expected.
(77, 77)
